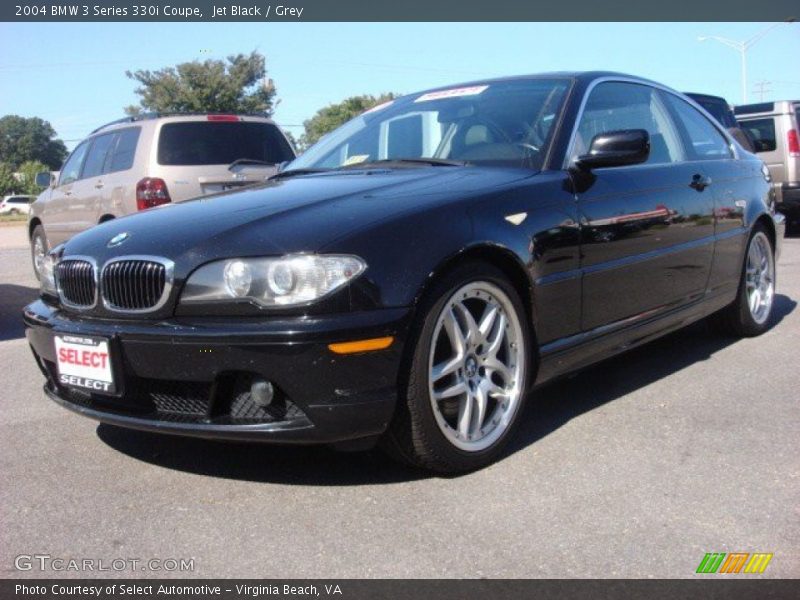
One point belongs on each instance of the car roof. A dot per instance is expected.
(777, 106)
(154, 116)
(705, 96)
(579, 76)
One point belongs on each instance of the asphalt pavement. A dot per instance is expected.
(634, 468)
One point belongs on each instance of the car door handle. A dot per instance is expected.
(68, 193)
(98, 185)
(700, 182)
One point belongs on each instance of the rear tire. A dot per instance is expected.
(749, 315)
(39, 248)
(467, 371)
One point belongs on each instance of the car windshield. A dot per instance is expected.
(506, 123)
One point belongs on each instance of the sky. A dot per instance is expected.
(73, 74)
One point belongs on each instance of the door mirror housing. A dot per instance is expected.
(44, 179)
(616, 149)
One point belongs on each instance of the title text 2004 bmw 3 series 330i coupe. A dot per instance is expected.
(414, 273)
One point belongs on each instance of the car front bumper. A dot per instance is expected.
(193, 376)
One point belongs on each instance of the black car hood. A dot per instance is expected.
(298, 214)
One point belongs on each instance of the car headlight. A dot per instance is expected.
(47, 275)
(290, 280)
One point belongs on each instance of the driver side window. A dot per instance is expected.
(613, 106)
(71, 171)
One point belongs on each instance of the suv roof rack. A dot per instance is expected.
(156, 115)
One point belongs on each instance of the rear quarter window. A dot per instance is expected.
(221, 143)
(125, 150)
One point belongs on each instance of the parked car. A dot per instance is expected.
(775, 126)
(140, 162)
(719, 108)
(411, 276)
(16, 204)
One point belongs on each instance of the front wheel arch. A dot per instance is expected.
(32, 225)
(497, 256)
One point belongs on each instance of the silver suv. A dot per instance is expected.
(140, 162)
(775, 127)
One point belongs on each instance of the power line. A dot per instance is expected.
(761, 88)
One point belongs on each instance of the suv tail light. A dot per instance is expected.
(150, 192)
(228, 118)
(793, 142)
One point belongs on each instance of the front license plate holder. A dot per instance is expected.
(86, 363)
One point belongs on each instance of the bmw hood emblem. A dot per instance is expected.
(118, 239)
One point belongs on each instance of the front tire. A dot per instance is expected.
(39, 249)
(467, 373)
(749, 315)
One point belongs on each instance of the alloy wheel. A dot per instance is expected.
(760, 277)
(476, 366)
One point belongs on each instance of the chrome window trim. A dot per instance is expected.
(657, 86)
(96, 274)
(169, 276)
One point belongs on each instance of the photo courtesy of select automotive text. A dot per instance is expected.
(419, 300)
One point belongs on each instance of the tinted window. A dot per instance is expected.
(706, 142)
(96, 159)
(717, 108)
(125, 150)
(763, 132)
(616, 106)
(749, 109)
(72, 168)
(221, 143)
(20, 200)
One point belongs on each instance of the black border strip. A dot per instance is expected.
(404, 10)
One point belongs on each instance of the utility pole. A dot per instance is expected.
(742, 47)
(761, 89)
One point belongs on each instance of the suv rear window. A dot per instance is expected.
(221, 143)
(763, 132)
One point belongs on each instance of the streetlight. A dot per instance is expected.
(743, 47)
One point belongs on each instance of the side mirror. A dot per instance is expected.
(616, 149)
(44, 179)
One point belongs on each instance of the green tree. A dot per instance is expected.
(24, 139)
(8, 183)
(27, 176)
(332, 116)
(238, 84)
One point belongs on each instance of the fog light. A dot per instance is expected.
(262, 392)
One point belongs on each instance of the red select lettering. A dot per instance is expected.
(83, 358)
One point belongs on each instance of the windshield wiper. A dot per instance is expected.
(387, 162)
(293, 172)
(249, 161)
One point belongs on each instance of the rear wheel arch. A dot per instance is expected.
(769, 225)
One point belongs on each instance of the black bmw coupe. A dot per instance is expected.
(412, 276)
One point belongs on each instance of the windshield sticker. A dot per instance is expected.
(379, 107)
(355, 159)
(454, 93)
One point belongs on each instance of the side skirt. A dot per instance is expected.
(565, 356)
